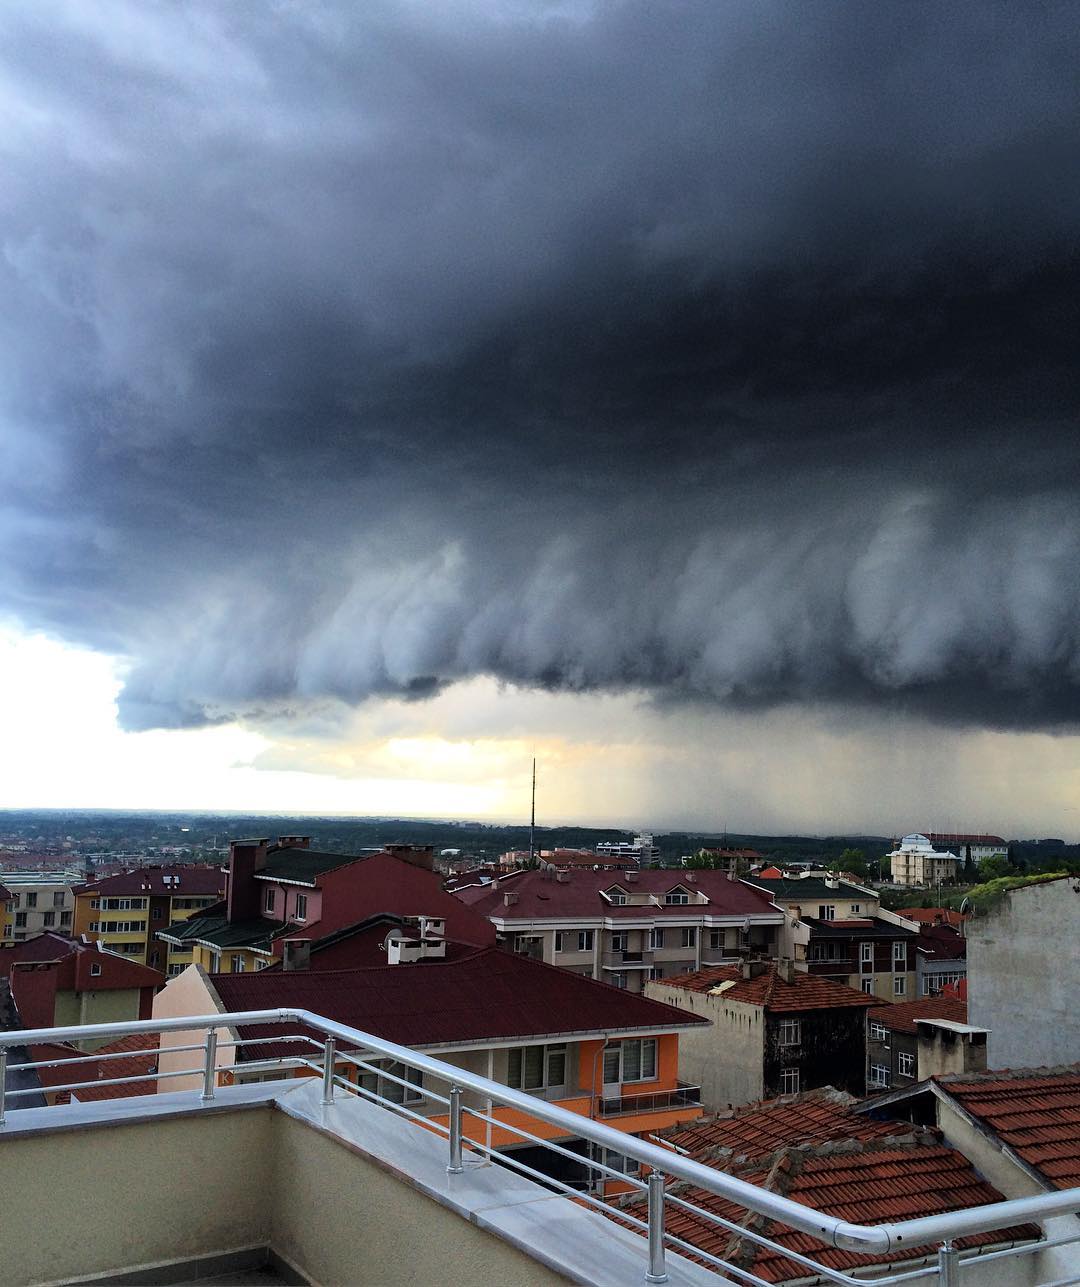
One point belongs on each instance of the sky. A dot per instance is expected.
(682, 393)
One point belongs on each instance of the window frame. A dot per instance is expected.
(789, 1032)
(788, 1076)
(689, 936)
(899, 985)
(619, 1050)
(585, 940)
(905, 1064)
(300, 910)
(553, 1056)
(269, 899)
(879, 1032)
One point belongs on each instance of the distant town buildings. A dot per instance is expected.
(915, 861)
(892, 1040)
(39, 900)
(642, 848)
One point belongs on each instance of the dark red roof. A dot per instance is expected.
(942, 943)
(962, 838)
(540, 895)
(193, 880)
(901, 1016)
(768, 989)
(488, 995)
(49, 946)
(1034, 1112)
(933, 915)
(142, 1047)
(36, 973)
(5, 894)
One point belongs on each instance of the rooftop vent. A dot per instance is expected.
(510, 898)
(754, 969)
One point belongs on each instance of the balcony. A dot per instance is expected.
(651, 1101)
(327, 1180)
(626, 960)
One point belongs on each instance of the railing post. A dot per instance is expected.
(948, 1260)
(657, 1272)
(3, 1082)
(210, 1065)
(328, 1071)
(455, 1167)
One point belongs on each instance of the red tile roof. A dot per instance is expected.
(42, 966)
(540, 895)
(1034, 1112)
(962, 838)
(901, 1016)
(488, 995)
(143, 1050)
(933, 915)
(49, 946)
(768, 989)
(942, 943)
(198, 880)
(759, 1129)
(862, 1181)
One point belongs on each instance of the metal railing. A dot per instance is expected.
(614, 1156)
(650, 1101)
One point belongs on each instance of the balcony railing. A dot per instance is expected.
(626, 960)
(652, 1167)
(651, 1101)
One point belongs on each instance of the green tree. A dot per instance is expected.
(994, 867)
(853, 861)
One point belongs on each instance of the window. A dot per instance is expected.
(689, 936)
(676, 897)
(789, 1081)
(899, 985)
(585, 940)
(383, 1082)
(616, 896)
(717, 940)
(790, 1032)
(158, 912)
(826, 912)
(828, 951)
(878, 1032)
(49, 919)
(537, 1067)
(215, 962)
(867, 986)
(630, 1060)
(20, 920)
(123, 904)
(899, 953)
(58, 899)
(95, 969)
(656, 972)
(31, 900)
(301, 907)
(236, 962)
(618, 1161)
(65, 918)
(880, 1075)
(16, 900)
(619, 941)
(905, 1064)
(268, 901)
(856, 908)
(656, 939)
(559, 941)
(866, 954)
(618, 980)
(175, 969)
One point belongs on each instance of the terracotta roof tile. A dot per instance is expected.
(768, 989)
(1036, 1113)
(901, 1016)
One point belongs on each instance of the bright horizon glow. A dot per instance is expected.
(605, 760)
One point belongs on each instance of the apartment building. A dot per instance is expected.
(56, 981)
(40, 901)
(940, 958)
(773, 1030)
(598, 1052)
(892, 1038)
(628, 927)
(125, 911)
(916, 862)
(971, 847)
(7, 915)
(285, 890)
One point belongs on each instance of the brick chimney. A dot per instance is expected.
(949, 1047)
(246, 857)
(292, 842)
(416, 855)
(753, 969)
(785, 970)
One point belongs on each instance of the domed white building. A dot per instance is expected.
(917, 862)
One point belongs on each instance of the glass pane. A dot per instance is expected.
(556, 1061)
(631, 1060)
(611, 1066)
(534, 1067)
(513, 1075)
(648, 1058)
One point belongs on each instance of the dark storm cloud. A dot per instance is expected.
(726, 351)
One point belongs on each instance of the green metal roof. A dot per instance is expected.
(302, 865)
(811, 887)
(217, 931)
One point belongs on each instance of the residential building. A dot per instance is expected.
(822, 898)
(1020, 1128)
(125, 911)
(892, 1038)
(600, 1053)
(7, 915)
(876, 956)
(970, 847)
(57, 981)
(587, 859)
(288, 891)
(642, 848)
(628, 927)
(1024, 974)
(773, 1030)
(916, 862)
(936, 916)
(940, 958)
(818, 1150)
(734, 861)
(40, 901)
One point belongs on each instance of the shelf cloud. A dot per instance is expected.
(710, 351)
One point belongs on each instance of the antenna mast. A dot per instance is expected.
(532, 820)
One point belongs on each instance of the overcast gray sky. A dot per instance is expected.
(710, 364)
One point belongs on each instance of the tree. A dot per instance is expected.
(994, 867)
(852, 861)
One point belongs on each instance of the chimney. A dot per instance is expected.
(246, 857)
(563, 877)
(510, 898)
(785, 970)
(753, 969)
(831, 882)
(631, 877)
(947, 1047)
(293, 842)
(296, 954)
(422, 856)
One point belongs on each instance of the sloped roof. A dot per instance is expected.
(304, 865)
(942, 943)
(962, 838)
(489, 994)
(901, 1016)
(142, 1051)
(768, 989)
(759, 1129)
(540, 896)
(862, 1181)
(193, 880)
(934, 915)
(811, 888)
(1034, 1111)
(5, 894)
(223, 933)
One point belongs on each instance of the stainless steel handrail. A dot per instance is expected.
(867, 1239)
